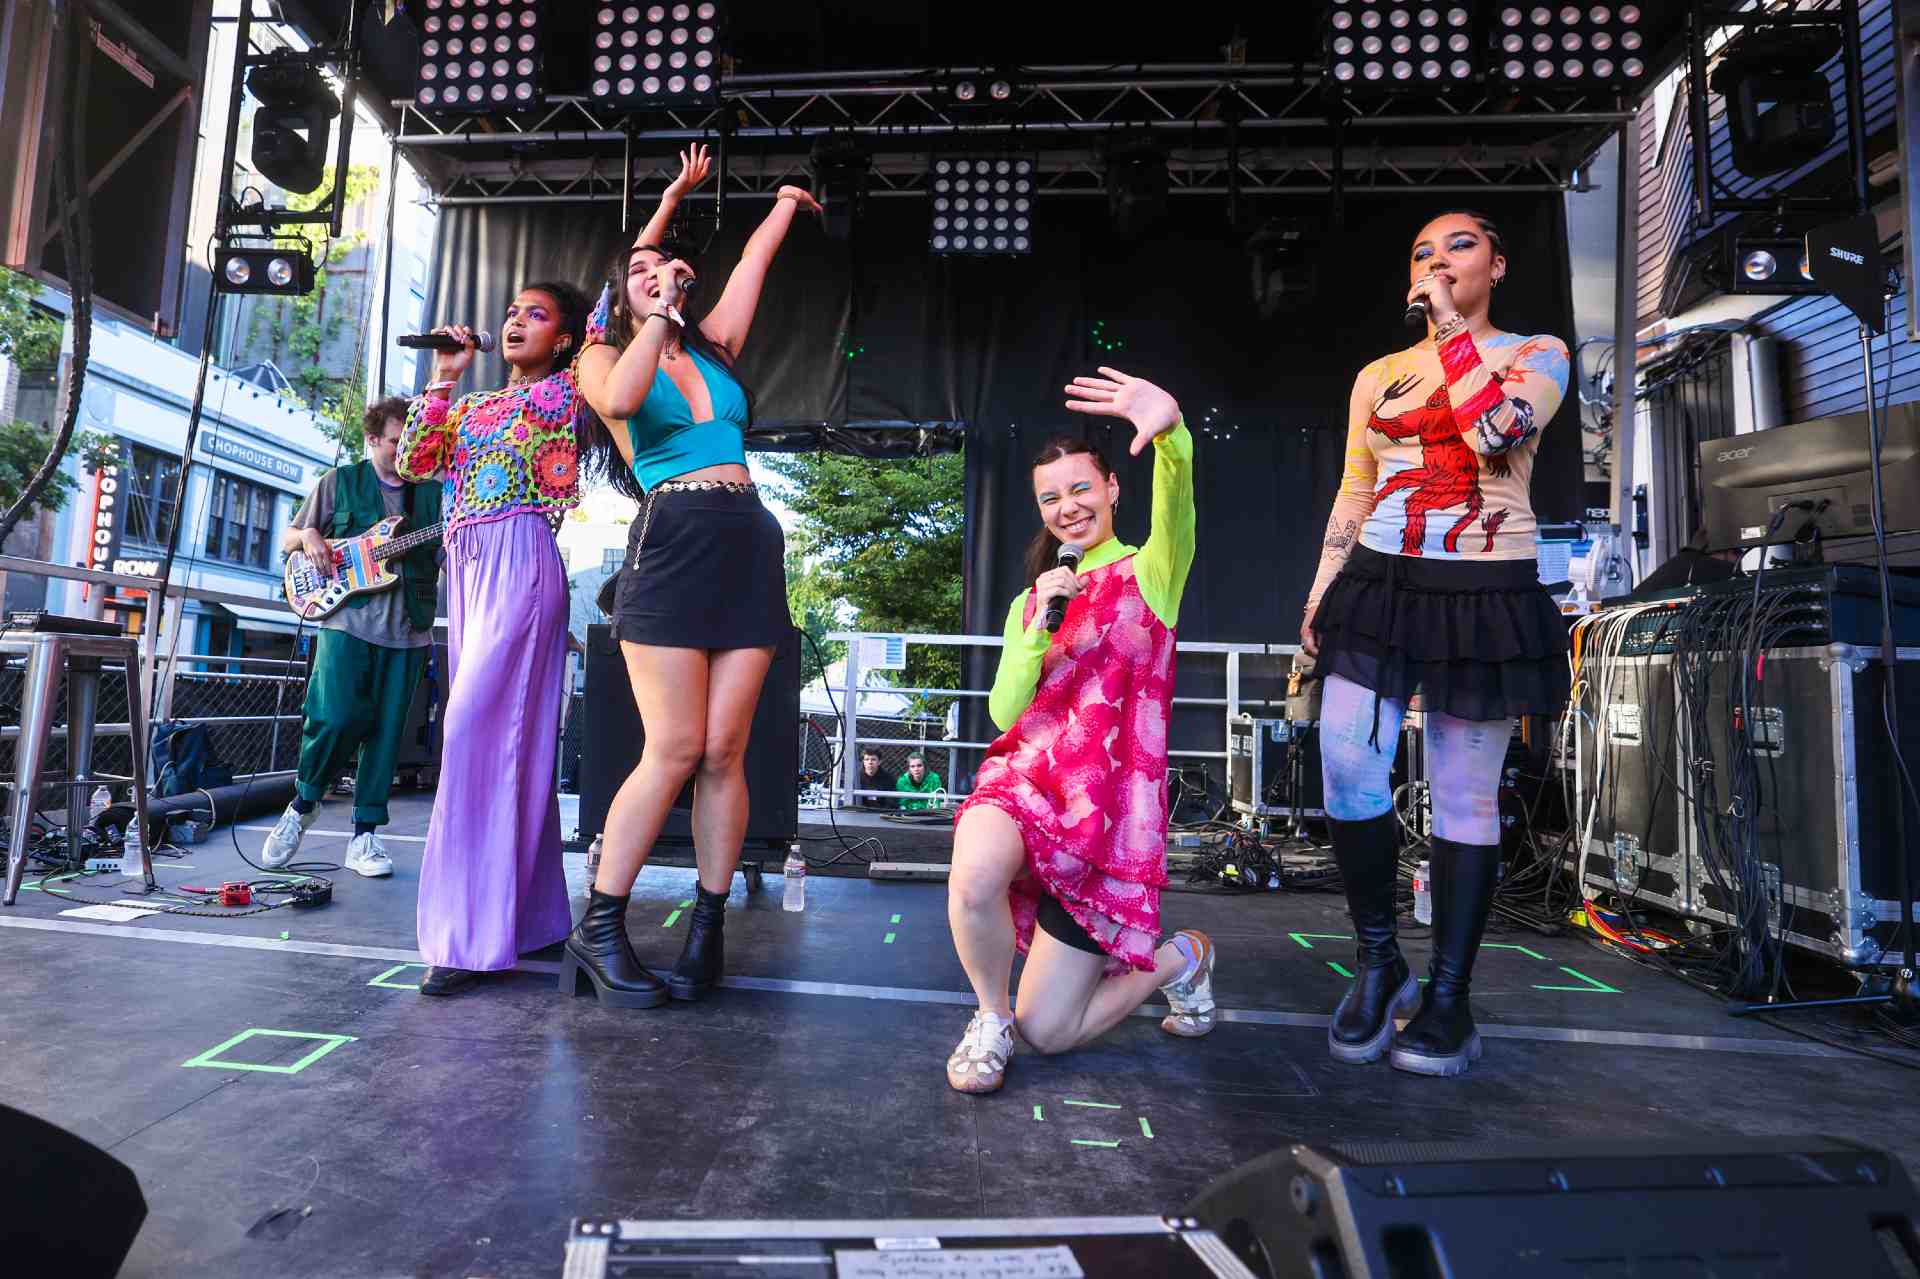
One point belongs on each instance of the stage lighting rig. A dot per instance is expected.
(480, 56)
(996, 88)
(1770, 264)
(283, 268)
(1282, 257)
(1569, 46)
(292, 124)
(1400, 46)
(1137, 186)
(982, 204)
(655, 56)
(1779, 106)
(840, 165)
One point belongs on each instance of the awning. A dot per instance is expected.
(279, 620)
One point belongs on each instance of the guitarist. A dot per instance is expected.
(369, 654)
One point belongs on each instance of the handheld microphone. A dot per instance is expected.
(1068, 556)
(441, 342)
(1416, 317)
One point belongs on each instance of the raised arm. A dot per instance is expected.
(732, 316)
(1354, 502)
(1497, 414)
(616, 383)
(433, 421)
(1161, 566)
(694, 164)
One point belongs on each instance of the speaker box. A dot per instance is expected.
(1707, 1209)
(614, 738)
(421, 739)
(71, 1208)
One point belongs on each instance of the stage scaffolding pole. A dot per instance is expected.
(1626, 298)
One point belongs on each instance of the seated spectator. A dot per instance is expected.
(919, 781)
(872, 778)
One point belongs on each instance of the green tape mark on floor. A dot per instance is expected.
(1146, 1129)
(1507, 945)
(210, 1059)
(894, 920)
(1039, 1115)
(382, 982)
(1302, 938)
(674, 918)
(1091, 1105)
(1341, 969)
(888, 939)
(1593, 984)
(1104, 1145)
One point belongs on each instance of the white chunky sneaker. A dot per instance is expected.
(284, 842)
(1190, 997)
(366, 855)
(979, 1063)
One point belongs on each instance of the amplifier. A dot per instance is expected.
(1062, 1248)
(1569, 1210)
(613, 737)
(1831, 602)
(1273, 765)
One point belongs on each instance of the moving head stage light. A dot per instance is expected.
(292, 123)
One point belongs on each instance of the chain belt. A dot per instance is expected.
(744, 488)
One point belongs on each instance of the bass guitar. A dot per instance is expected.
(360, 567)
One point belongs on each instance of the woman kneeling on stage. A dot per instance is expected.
(1445, 430)
(1066, 826)
(701, 602)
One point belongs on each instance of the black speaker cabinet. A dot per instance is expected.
(1410, 1210)
(71, 1208)
(420, 741)
(614, 739)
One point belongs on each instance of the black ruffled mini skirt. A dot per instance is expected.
(1477, 639)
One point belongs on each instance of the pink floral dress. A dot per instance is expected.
(1082, 767)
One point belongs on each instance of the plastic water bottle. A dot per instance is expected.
(101, 800)
(794, 896)
(1422, 895)
(130, 858)
(593, 855)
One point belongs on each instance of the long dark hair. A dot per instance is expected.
(573, 308)
(1040, 551)
(599, 457)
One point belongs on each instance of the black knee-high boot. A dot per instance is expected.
(1441, 1038)
(705, 954)
(598, 950)
(1369, 856)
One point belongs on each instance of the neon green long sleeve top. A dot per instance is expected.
(1159, 568)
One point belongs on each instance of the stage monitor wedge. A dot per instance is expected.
(142, 68)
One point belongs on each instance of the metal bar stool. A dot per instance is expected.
(81, 657)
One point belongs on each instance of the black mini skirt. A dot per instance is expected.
(705, 568)
(1477, 639)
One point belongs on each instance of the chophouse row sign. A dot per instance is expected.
(233, 451)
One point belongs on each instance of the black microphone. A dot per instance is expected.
(1416, 316)
(1068, 556)
(441, 342)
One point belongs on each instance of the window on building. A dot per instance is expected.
(239, 521)
(610, 559)
(152, 482)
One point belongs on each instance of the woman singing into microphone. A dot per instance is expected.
(701, 601)
(1066, 826)
(491, 887)
(1428, 582)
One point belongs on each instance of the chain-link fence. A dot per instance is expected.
(251, 707)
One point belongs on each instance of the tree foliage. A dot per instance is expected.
(815, 609)
(29, 336)
(885, 537)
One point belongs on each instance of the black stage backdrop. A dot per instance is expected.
(876, 328)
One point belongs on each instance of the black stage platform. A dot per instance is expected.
(282, 1060)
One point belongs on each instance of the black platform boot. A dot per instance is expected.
(1441, 1039)
(1383, 987)
(705, 954)
(598, 950)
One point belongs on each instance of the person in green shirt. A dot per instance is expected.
(918, 781)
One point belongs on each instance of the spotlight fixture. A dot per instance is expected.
(840, 165)
(284, 269)
(1400, 46)
(1779, 107)
(1284, 264)
(1569, 45)
(292, 123)
(982, 204)
(480, 55)
(1137, 186)
(993, 88)
(1771, 264)
(655, 55)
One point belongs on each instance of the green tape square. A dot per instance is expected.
(382, 982)
(211, 1058)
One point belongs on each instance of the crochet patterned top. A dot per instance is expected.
(497, 453)
(1440, 449)
(1082, 766)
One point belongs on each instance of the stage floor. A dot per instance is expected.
(282, 1060)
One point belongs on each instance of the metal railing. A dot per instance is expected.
(890, 734)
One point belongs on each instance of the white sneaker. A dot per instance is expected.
(979, 1063)
(284, 842)
(366, 855)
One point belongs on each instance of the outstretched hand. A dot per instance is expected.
(695, 161)
(1113, 394)
(800, 196)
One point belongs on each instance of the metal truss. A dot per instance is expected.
(1261, 129)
